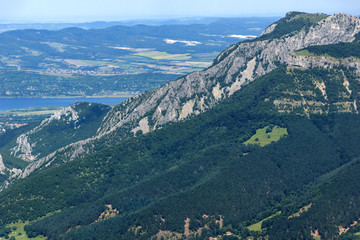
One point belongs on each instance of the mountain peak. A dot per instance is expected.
(293, 14)
(292, 22)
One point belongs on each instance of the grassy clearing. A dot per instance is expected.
(264, 136)
(257, 226)
(304, 53)
(19, 233)
(164, 55)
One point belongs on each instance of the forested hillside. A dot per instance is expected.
(201, 166)
(277, 158)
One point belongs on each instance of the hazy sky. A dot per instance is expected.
(112, 10)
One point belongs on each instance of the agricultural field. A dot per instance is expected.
(13, 119)
(164, 55)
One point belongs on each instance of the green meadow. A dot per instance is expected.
(257, 226)
(18, 232)
(267, 135)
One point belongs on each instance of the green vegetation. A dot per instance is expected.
(198, 165)
(56, 133)
(341, 50)
(292, 23)
(25, 116)
(212, 168)
(164, 56)
(257, 226)
(352, 234)
(304, 52)
(18, 232)
(267, 135)
(44, 111)
(337, 197)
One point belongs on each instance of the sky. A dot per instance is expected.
(27, 11)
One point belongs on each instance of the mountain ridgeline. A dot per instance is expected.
(200, 91)
(262, 144)
(106, 59)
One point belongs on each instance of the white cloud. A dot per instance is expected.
(188, 43)
(242, 36)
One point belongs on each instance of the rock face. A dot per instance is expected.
(199, 91)
(236, 66)
(76, 122)
(2, 166)
(321, 61)
(24, 147)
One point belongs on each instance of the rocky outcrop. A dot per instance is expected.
(23, 148)
(236, 66)
(296, 60)
(269, 29)
(24, 144)
(2, 165)
(199, 91)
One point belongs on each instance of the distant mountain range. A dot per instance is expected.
(263, 144)
(110, 59)
(130, 23)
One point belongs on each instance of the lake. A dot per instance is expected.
(20, 103)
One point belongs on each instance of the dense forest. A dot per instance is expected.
(341, 50)
(201, 166)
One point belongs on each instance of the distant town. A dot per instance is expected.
(5, 126)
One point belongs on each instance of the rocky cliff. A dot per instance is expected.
(69, 124)
(199, 91)
(24, 146)
(324, 61)
(234, 67)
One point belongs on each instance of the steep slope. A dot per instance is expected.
(200, 91)
(128, 187)
(76, 122)
(333, 211)
(201, 166)
(240, 63)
